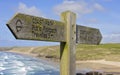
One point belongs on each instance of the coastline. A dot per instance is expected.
(36, 56)
(89, 65)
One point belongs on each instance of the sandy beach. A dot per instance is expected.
(89, 65)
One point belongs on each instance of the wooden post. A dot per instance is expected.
(67, 49)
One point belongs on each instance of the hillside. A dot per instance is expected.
(110, 52)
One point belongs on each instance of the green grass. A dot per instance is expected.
(97, 52)
(83, 52)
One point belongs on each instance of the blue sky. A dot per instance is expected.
(101, 14)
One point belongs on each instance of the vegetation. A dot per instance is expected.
(83, 52)
(97, 52)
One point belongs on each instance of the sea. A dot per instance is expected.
(17, 64)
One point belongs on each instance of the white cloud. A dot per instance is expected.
(23, 8)
(79, 7)
(98, 7)
(111, 38)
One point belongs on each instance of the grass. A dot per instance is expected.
(83, 52)
(97, 52)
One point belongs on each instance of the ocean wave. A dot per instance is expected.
(15, 64)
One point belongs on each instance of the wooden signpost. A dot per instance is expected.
(66, 32)
(36, 28)
(87, 35)
(67, 49)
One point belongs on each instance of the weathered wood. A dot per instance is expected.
(87, 35)
(67, 49)
(36, 28)
(28, 27)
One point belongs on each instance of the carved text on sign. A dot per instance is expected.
(43, 31)
(18, 25)
(87, 35)
(29, 27)
(42, 28)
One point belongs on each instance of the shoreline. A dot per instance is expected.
(35, 56)
(89, 65)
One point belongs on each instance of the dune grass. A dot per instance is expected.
(97, 52)
(83, 52)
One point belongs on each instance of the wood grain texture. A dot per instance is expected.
(28, 27)
(67, 49)
(88, 35)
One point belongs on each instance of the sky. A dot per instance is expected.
(101, 14)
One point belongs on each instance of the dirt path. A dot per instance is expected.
(104, 62)
(99, 65)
